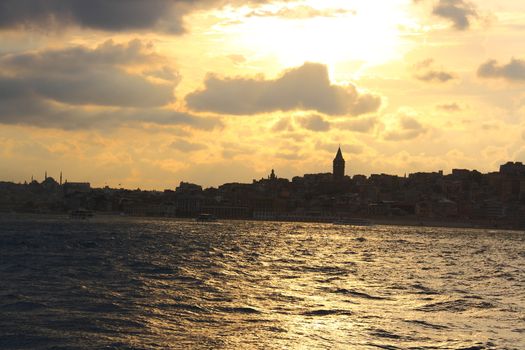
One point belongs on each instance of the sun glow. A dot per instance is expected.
(321, 31)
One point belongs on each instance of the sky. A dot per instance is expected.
(145, 94)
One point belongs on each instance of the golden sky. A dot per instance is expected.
(150, 93)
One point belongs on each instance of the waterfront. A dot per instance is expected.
(152, 284)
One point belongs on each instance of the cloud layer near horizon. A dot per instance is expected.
(303, 88)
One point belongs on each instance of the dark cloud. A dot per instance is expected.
(72, 59)
(165, 73)
(164, 116)
(85, 76)
(78, 87)
(425, 71)
(35, 111)
(437, 76)
(314, 122)
(107, 15)
(186, 146)
(409, 128)
(96, 14)
(304, 88)
(512, 71)
(460, 12)
(450, 107)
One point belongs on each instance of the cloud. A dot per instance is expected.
(424, 64)
(186, 146)
(304, 88)
(449, 107)
(459, 12)
(237, 59)
(283, 124)
(408, 128)
(359, 125)
(288, 155)
(314, 122)
(438, 76)
(94, 14)
(424, 71)
(85, 76)
(512, 71)
(165, 73)
(107, 15)
(80, 87)
(233, 149)
(37, 112)
(490, 126)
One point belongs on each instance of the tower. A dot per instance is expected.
(60, 178)
(339, 166)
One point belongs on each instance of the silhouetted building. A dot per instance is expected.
(188, 188)
(339, 166)
(79, 187)
(511, 168)
(50, 184)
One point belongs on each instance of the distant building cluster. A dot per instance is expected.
(462, 196)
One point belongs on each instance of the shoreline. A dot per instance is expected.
(381, 221)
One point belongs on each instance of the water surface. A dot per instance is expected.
(121, 283)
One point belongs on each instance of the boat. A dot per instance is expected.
(81, 214)
(353, 222)
(204, 217)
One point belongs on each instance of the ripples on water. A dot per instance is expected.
(156, 284)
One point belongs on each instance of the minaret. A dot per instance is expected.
(339, 165)
(45, 176)
(61, 178)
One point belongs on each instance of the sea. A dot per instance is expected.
(132, 283)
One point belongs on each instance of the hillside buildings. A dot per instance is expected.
(497, 198)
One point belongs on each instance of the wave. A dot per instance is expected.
(358, 294)
(239, 310)
(326, 312)
(426, 324)
(458, 305)
(381, 333)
